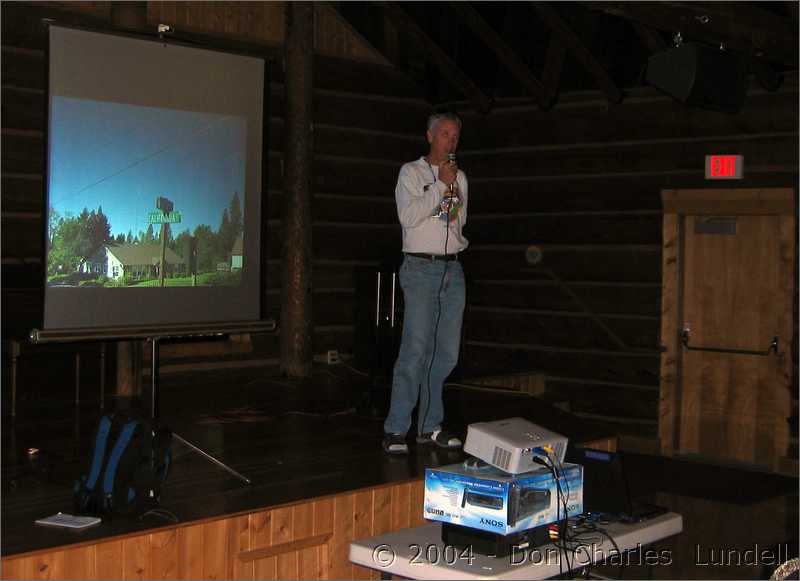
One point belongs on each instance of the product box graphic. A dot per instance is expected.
(485, 498)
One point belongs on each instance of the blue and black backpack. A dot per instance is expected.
(129, 465)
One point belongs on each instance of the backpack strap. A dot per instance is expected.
(101, 441)
(125, 436)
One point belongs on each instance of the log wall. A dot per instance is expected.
(583, 181)
(306, 540)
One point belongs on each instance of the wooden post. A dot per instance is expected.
(129, 368)
(162, 266)
(296, 324)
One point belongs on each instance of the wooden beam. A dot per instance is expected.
(547, 13)
(738, 25)
(502, 51)
(554, 61)
(296, 300)
(447, 67)
(283, 548)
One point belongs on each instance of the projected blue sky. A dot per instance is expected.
(122, 157)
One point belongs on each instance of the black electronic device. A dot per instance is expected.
(700, 75)
(524, 502)
(605, 486)
(493, 544)
(482, 500)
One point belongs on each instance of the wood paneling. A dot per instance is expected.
(343, 508)
(108, 556)
(164, 552)
(362, 525)
(136, 558)
(191, 552)
(80, 563)
(260, 537)
(310, 540)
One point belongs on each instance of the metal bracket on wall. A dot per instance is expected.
(685, 333)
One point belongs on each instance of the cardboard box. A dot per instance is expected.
(488, 499)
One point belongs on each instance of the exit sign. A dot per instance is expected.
(724, 167)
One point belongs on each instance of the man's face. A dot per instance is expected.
(443, 138)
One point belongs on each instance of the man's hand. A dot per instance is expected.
(448, 172)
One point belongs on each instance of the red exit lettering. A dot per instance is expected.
(723, 166)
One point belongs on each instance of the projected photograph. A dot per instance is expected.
(144, 197)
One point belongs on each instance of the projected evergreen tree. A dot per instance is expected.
(74, 239)
(98, 230)
(231, 227)
(235, 215)
(206, 251)
(224, 239)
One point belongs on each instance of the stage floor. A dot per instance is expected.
(297, 440)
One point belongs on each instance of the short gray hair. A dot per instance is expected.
(434, 119)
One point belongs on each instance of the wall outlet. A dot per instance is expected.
(333, 357)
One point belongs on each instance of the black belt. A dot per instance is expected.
(445, 257)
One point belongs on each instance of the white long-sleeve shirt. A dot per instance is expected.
(420, 198)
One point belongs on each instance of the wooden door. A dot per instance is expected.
(726, 325)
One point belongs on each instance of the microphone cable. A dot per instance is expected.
(450, 157)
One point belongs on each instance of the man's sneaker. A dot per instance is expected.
(441, 438)
(395, 444)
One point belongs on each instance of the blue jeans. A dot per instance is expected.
(414, 375)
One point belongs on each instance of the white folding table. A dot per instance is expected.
(419, 553)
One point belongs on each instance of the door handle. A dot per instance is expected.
(685, 336)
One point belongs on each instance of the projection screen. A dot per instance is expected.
(153, 183)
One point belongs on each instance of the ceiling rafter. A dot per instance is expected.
(446, 66)
(737, 25)
(583, 55)
(650, 37)
(554, 62)
(505, 54)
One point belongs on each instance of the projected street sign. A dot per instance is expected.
(164, 218)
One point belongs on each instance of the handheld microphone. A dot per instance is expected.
(451, 157)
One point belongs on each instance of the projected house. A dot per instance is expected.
(236, 254)
(132, 260)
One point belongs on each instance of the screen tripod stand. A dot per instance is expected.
(154, 412)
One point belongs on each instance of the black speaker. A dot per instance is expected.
(701, 76)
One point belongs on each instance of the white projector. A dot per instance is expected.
(512, 444)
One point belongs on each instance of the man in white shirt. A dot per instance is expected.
(431, 197)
